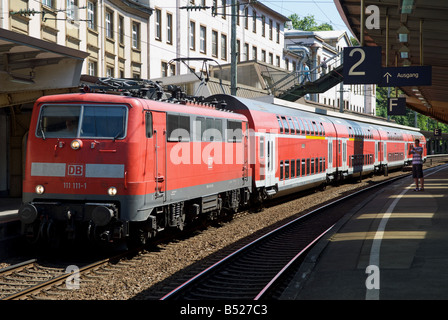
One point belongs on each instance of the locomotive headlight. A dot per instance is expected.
(112, 191)
(76, 144)
(40, 189)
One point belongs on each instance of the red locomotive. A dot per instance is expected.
(125, 166)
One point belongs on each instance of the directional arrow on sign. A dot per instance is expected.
(387, 75)
(406, 76)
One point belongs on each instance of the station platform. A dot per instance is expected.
(9, 208)
(392, 246)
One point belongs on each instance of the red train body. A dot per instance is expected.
(103, 166)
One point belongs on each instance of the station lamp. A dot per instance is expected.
(407, 6)
(403, 34)
(404, 52)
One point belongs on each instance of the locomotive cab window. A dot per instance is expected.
(69, 121)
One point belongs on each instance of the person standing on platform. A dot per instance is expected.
(417, 165)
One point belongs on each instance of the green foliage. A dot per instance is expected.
(423, 122)
(308, 23)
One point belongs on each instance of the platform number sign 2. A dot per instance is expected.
(362, 65)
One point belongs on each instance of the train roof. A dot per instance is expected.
(282, 107)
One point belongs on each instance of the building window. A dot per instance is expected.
(238, 13)
(224, 47)
(270, 29)
(71, 9)
(246, 18)
(246, 51)
(277, 61)
(203, 39)
(109, 24)
(91, 16)
(238, 50)
(254, 53)
(121, 29)
(192, 35)
(278, 33)
(263, 55)
(158, 27)
(172, 69)
(224, 8)
(92, 68)
(110, 72)
(254, 21)
(271, 58)
(135, 35)
(263, 26)
(169, 28)
(164, 71)
(48, 3)
(214, 43)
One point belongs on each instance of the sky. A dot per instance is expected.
(323, 10)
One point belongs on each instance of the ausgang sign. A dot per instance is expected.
(406, 76)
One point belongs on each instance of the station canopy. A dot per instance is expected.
(418, 28)
(31, 67)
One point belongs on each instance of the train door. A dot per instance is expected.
(270, 160)
(156, 154)
(344, 156)
(246, 153)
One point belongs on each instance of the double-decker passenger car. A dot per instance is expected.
(298, 147)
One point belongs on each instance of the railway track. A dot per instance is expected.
(32, 280)
(262, 268)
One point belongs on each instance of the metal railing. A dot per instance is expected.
(299, 77)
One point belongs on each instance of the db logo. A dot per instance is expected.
(75, 170)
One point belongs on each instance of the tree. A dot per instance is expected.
(308, 23)
(423, 122)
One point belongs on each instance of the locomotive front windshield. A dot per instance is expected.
(69, 121)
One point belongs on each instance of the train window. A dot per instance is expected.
(285, 124)
(281, 170)
(62, 121)
(308, 162)
(234, 131)
(291, 125)
(280, 124)
(148, 124)
(305, 122)
(58, 121)
(200, 126)
(296, 123)
(287, 169)
(293, 168)
(103, 122)
(178, 128)
(315, 128)
(312, 165)
(214, 130)
(261, 147)
(303, 167)
(298, 168)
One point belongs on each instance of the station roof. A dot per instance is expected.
(31, 67)
(428, 18)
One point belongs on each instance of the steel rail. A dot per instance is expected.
(213, 267)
